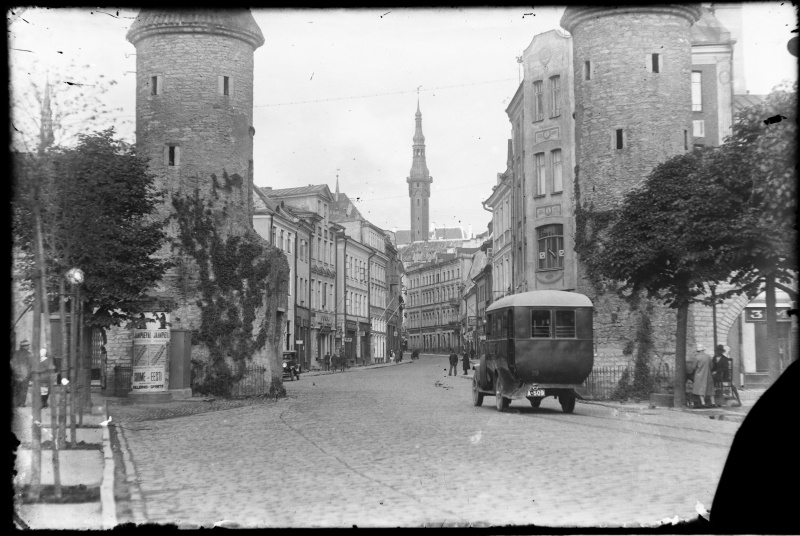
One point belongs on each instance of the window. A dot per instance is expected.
(619, 140)
(225, 85)
(282, 244)
(155, 85)
(538, 167)
(551, 247)
(565, 324)
(172, 155)
(558, 180)
(697, 91)
(538, 101)
(587, 70)
(555, 94)
(698, 128)
(654, 63)
(685, 140)
(540, 324)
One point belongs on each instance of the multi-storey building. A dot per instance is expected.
(472, 312)
(434, 296)
(354, 293)
(313, 203)
(503, 242)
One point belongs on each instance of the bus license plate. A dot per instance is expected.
(536, 392)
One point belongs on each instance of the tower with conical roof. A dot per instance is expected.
(419, 184)
(46, 129)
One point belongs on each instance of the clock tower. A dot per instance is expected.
(419, 185)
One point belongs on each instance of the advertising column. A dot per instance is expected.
(151, 353)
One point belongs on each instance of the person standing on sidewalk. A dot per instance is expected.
(465, 362)
(21, 368)
(326, 362)
(702, 385)
(453, 364)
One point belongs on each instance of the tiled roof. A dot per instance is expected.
(299, 190)
(344, 209)
(740, 102)
(709, 31)
(238, 21)
(448, 233)
(402, 236)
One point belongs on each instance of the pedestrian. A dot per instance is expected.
(326, 362)
(391, 356)
(472, 353)
(400, 355)
(415, 353)
(21, 369)
(702, 385)
(342, 361)
(465, 363)
(453, 364)
(720, 366)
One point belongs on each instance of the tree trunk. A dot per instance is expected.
(48, 376)
(772, 331)
(679, 381)
(62, 414)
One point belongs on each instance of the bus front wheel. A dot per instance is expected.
(477, 396)
(500, 401)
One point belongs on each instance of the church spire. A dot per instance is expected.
(337, 188)
(46, 133)
(419, 183)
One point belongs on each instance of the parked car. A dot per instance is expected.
(291, 367)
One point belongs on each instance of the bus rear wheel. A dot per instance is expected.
(477, 396)
(567, 403)
(500, 402)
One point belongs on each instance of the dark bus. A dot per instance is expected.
(538, 344)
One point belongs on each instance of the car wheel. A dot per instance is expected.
(500, 402)
(477, 396)
(567, 403)
(535, 402)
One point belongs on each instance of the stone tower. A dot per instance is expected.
(194, 101)
(632, 68)
(419, 184)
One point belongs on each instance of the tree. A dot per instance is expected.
(98, 206)
(654, 246)
(750, 201)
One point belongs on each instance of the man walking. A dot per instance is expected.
(465, 362)
(453, 364)
(703, 384)
(21, 368)
(326, 363)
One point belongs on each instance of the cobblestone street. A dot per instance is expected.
(404, 446)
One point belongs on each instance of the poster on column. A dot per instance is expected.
(151, 352)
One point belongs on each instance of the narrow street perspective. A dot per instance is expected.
(404, 446)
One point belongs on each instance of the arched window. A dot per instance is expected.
(551, 247)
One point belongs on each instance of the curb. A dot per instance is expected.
(136, 502)
(108, 508)
(353, 369)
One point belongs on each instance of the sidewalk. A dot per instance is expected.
(358, 368)
(89, 466)
(728, 413)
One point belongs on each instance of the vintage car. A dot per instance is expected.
(538, 344)
(291, 368)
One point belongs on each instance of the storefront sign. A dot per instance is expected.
(348, 339)
(759, 314)
(151, 353)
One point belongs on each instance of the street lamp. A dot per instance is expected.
(75, 278)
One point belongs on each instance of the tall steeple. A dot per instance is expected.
(46, 128)
(337, 188)
(419, 181)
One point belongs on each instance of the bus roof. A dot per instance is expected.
(542, 298)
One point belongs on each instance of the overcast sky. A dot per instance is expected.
(462, 61)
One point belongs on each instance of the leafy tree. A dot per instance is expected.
(750, 202)
(654, 247)
(97, 206)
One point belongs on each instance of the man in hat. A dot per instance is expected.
(21, 368)
(703, 384)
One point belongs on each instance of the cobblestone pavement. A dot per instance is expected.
(404, 446)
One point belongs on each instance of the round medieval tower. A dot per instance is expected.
(194, 124)
(632, 69)
(194, 101)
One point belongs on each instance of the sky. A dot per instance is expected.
(335, 91)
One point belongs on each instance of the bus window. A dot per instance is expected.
(498, 325)
(540, 323)
(565, 324)
(488, 327)
(510, 324)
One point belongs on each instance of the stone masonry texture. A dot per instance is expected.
(652, 109)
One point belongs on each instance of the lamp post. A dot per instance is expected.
(75, 279)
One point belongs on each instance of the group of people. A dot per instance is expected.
(338, 361)
(465, 362)
(707, 374)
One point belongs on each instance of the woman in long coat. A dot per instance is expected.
(465, 362)
(703, 384)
